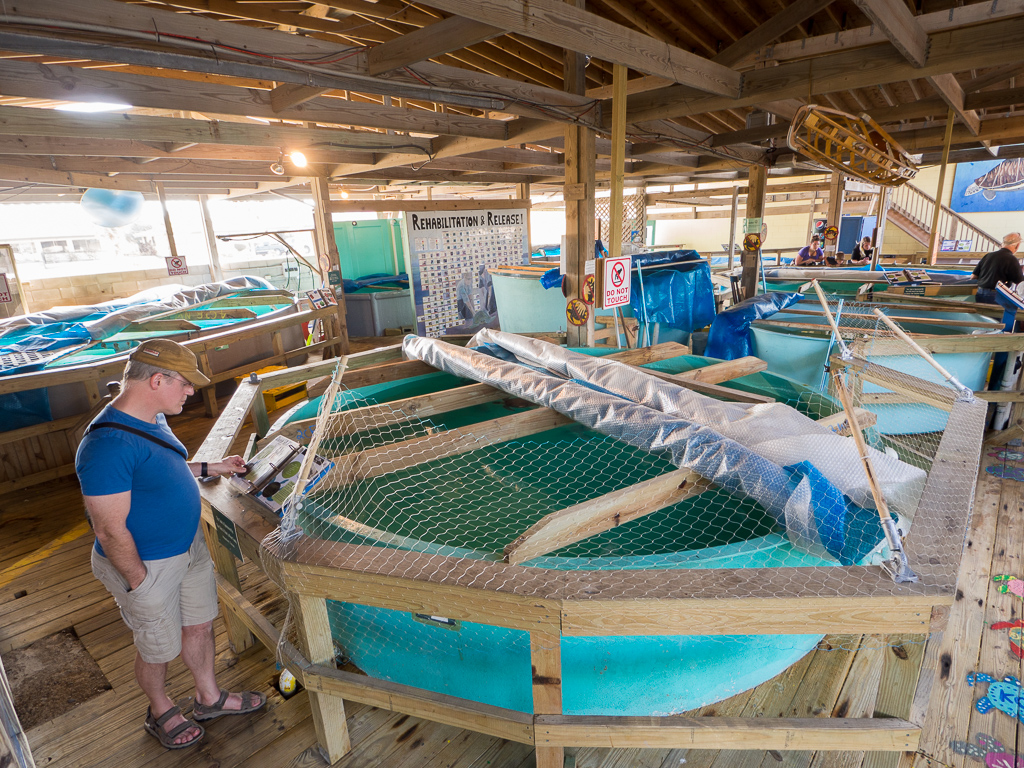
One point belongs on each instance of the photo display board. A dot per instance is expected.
(449, 253)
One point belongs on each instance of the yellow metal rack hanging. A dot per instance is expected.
(857, 146)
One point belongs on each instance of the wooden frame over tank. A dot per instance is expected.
(854, 599)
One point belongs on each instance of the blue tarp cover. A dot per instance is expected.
(351, 286)
(681, 296)
(729, 338)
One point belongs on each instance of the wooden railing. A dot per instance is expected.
(920, 209)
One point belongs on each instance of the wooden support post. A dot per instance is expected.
(618, 159)
(278, 343)
(327, 251)
(523, 193)
(209, 391)
(580, 150)
(167, 218)
(328, 710)
(734, 212)
(211, 240)
(883, 215)
(546, 667)
(933, 239)
(836, 195)
(755, 210)
(92, 390)
(239, 635)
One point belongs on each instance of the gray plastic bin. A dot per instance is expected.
(369, 311)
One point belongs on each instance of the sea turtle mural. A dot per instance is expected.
(1005, 177)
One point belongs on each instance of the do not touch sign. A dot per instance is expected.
(616, 282)
(176, 265)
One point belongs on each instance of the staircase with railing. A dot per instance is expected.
(912, 210)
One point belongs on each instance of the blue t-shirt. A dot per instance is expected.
(165, 507)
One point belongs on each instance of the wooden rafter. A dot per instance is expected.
(560, 24)
(899, 25)
(775, 27)
(956, 50)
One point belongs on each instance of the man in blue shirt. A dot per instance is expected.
(143, 502)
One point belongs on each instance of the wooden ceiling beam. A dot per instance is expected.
(949, 89)
(346, 73)
(778, 25)
(899, 25)
(521, 131)
(628, 12)
(694, 32)
(168, 168)
(992, 77)
(1009, 130)
(70, 84)
(288, 95)
(991, 44)
(24, 121)
(861, 37)
(560, 24)
(50, 176)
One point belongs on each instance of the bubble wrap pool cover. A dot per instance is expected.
(807, 477)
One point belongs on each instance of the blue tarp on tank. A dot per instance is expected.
(729, 338)
(351, 286)
(680, 296)
(65, 328)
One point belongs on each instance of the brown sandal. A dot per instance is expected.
(251, 701)
(155, 727)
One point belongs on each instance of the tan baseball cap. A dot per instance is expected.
(171, 356)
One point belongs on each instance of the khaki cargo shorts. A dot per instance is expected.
(177, 592)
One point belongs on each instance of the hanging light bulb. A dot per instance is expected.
(298, 159)
(344, 195)
(277, 168)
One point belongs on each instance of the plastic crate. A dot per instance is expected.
(278, 397)
(369, 311)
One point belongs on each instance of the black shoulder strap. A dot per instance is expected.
(134, 431)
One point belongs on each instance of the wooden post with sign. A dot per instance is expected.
(836, 198)
(580, 155)
(755, 210)
(327, 252)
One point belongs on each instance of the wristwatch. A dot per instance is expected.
(202, 469)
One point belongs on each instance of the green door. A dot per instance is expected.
(368, 248)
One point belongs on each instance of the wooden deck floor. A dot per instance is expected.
(46, 586)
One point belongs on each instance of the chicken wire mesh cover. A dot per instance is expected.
(617, 482)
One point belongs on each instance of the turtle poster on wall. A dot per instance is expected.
(449, 254)
(991, 185)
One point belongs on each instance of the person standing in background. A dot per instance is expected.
(998, 266)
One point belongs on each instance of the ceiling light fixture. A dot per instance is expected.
(298, 159)
(277, 169)
(93, 106)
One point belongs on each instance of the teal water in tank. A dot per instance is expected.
(803, 357)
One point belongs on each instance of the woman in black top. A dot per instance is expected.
(861, 252)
